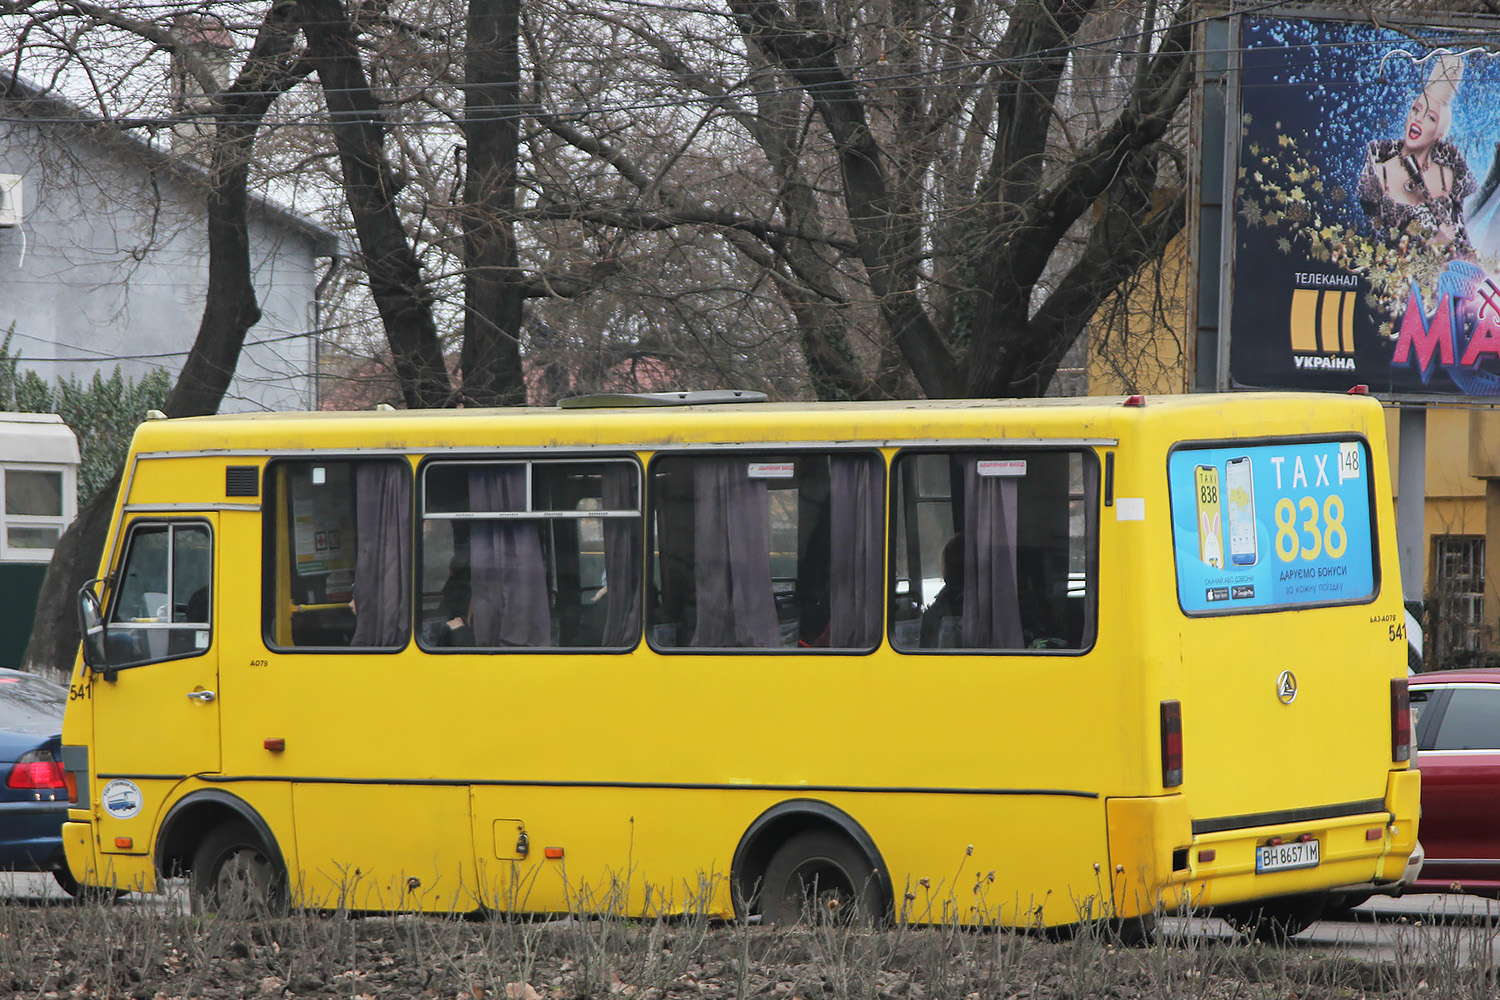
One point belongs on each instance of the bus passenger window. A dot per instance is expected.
(767, 551)
(161, 604)
(993, 550)
(531, 555)
(338, 548)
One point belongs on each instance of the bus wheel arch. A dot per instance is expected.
(201, 817)
(804, 822)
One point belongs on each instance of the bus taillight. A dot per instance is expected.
(1400, 721)
(1171, 743)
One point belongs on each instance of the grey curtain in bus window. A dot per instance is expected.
(382, 561)
(857, 541)
(623, 556)
(992, 605)
(732, 563)
(508, 573)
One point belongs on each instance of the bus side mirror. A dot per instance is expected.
(91, 628)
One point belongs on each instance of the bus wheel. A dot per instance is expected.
(84, 893)
(821, 875)
(1274, 920)
(234, 873)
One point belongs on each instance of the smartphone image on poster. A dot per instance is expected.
(1210, 524)
(1239, 492)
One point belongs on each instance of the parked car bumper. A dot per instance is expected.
(31, 835)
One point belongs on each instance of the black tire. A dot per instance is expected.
(821, 875)
(1136, 932)
(235, 873)
(1274, 921)
(84, 893)
(1340, 905)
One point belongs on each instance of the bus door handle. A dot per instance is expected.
(202, 695)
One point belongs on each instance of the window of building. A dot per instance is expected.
(768, 551)
(340, 550)
(531, 555)
(1456, 610)
(161, 598)
(37, 509)
(993, 550)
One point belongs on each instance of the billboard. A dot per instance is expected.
(1366, 211)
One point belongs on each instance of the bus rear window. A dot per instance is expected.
(1275, 525)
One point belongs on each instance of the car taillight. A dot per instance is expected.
(1400, 720)
(36, 769)
(1171, 743)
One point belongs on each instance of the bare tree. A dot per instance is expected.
(847, 200)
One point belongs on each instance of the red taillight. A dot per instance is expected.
(1400, 720)
(1171, 743)
(36, 769)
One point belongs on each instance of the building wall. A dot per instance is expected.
(110, 265)
(1140, 341)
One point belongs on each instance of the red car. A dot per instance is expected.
(1457, 715)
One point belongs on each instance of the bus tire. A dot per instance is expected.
(1275, 920)
(84, 893)
(1340, 905)
(1136, 932)
(822, 875)
(235, 874)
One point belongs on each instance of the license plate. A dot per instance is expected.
(1283, 857)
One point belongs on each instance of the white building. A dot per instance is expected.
(104, 258)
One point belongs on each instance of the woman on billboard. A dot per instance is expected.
(1413, 188)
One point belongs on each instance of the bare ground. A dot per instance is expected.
(52, 950)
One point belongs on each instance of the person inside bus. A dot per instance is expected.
(453, 627)
(949, 602)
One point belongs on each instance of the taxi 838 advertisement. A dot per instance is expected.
(1271, 525)
(1367, 210)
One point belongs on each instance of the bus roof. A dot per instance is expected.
(1092, 418)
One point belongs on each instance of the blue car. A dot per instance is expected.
(34, 793)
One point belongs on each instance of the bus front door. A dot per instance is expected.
(155, 705)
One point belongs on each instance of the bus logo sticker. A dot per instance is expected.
(1286, 687)
(122, 799)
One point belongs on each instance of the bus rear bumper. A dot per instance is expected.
(1159, 864)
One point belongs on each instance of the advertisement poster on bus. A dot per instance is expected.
(1271, 525)
(1366, 212)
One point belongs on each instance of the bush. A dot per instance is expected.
(102, 413)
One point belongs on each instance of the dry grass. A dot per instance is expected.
(145, 949)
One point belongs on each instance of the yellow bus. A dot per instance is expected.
(1015, 662)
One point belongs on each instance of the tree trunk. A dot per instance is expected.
(391, 266)
(491, 357)
(54, 632)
